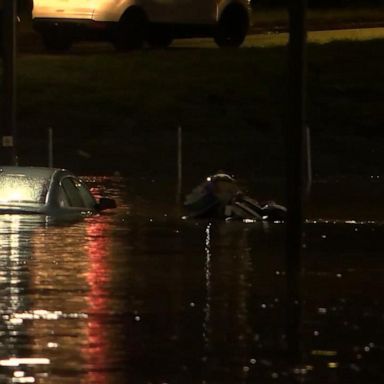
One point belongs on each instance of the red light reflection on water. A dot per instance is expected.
(97, 278)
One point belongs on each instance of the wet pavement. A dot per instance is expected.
(265, 39)
(142, 296)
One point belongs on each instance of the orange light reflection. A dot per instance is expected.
(97, 278)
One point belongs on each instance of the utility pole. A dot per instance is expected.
(296, 142)
(8, 89)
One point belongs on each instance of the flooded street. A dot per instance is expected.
(142, 296)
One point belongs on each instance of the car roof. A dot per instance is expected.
(43, 172)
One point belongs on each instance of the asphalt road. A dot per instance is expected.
(278, 39)
(268, 39)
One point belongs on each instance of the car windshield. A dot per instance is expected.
(22, 189)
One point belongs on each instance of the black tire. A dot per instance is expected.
(232, 27)
(159, 40)
(131, 30)
(56, 41)
(159, 37)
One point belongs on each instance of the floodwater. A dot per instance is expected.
(142, 296)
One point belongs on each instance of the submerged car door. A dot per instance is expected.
(181, 11)
(197, 11)
(160, 11)
(69, 9)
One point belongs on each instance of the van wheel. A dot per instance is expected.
(131, 30)
(232, 27)
(56, 41)
(159, 39)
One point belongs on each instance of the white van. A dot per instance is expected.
(129, 24)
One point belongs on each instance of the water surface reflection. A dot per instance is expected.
(144, 297)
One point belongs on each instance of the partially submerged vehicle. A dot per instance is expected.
(131, 23)
(47, 191)
(220, 197)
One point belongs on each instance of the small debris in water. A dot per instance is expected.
(266, 363)
(355, 367)
(324, 353)
(84, 154)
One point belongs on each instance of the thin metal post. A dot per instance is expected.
(308, 163)
(179, 163)
(8, 131)
(50, 147)
(296, 163)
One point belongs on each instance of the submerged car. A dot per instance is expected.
(219, 197)
(47, 191)
(131, 23)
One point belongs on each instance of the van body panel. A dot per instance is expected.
(71, 9)
(97, 19)
(158, 11)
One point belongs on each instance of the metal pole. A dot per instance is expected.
(179, 164)
(50, 147)
(296, 159)
(8, 130)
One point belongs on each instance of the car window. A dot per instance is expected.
(88, 199)
(63, 200)
(76, 194)
(72, 193)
